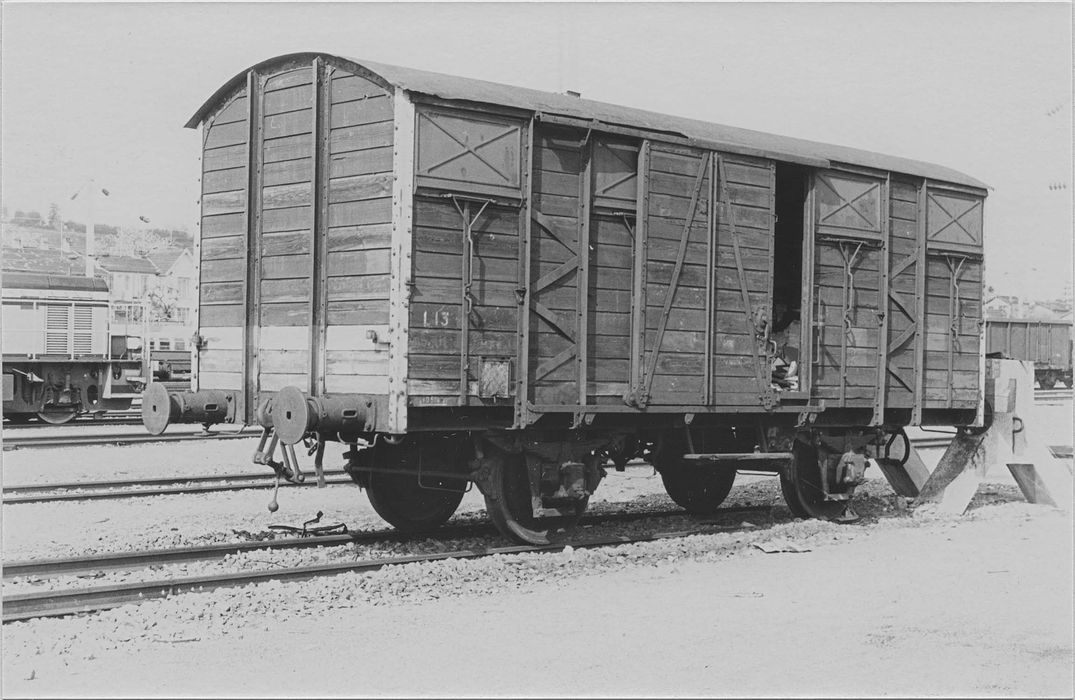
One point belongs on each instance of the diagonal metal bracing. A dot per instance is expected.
(850, 203)
(471, 150)
(549, 366)
(673, 283)
(954, 219)
(554, 319)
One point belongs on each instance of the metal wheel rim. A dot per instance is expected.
(801, 486)
(511, 511)
(409, 506)
(57, 417)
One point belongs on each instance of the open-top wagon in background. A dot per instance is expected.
(468, 282)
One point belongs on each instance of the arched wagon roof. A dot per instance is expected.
(721, 137)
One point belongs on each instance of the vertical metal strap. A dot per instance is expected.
(710, 284)
(318, 246)
(582, 279)
(955, 314)
(673, 283)
(883, 306)
(921, 274)
(466, 306)
(251, 295)
(638, 285)
(522, 369)
(849, 307)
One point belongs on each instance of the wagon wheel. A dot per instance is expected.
(697, 489)
(19, 418)
(511, 510)
(58, 417)
(413, 506)
(403, 499)
(801, 484)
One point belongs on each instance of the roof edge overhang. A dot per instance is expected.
(240, 78)
(738, 140)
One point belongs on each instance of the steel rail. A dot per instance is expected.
(44, 442)
(139, 559)
(26, 606)
(85, 491)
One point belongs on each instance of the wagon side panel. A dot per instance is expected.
(850, 219)
(222, 248)
(464, 308)
(355, 233)
(953, 301)
(742, 279)
(553, 287)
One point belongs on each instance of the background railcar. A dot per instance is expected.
(492, 284)
(59, 357)
(1046, 343)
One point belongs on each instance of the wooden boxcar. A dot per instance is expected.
(1045, 342)
(486, 283)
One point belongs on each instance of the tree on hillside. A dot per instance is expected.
(138, 243)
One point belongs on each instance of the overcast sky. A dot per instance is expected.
(103, 90)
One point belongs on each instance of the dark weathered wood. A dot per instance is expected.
(222, 135)
(357, 313)
(288, 99)
(356, 112)
(223, 270)
(223, 225)
(367, 211)
(360, 187)
(358, 262)
(353, 87)
(362, 136)
(224, 157)
(359, 237)
(357, 288)
(287, 124)
(287, 148)
(222, 248)
(286, 243)
(371, 160)
(224, 180)
(221, 315)
(284, 266)
(221, 292)
(287, 314)
(283, 196)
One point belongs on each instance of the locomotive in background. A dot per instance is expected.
(59, 357)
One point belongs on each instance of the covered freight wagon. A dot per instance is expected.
(1046, 343)
(510, 286)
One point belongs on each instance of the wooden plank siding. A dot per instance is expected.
(438, 314)
(850, 216)
(284, 228)
(357, 233)
(903, 322)
(677, 220)
(750, 188)
(553, 285)
(222, 248)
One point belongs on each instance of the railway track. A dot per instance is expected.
(180, 485)
(19, 442)
(71, 601)
(156, 486)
